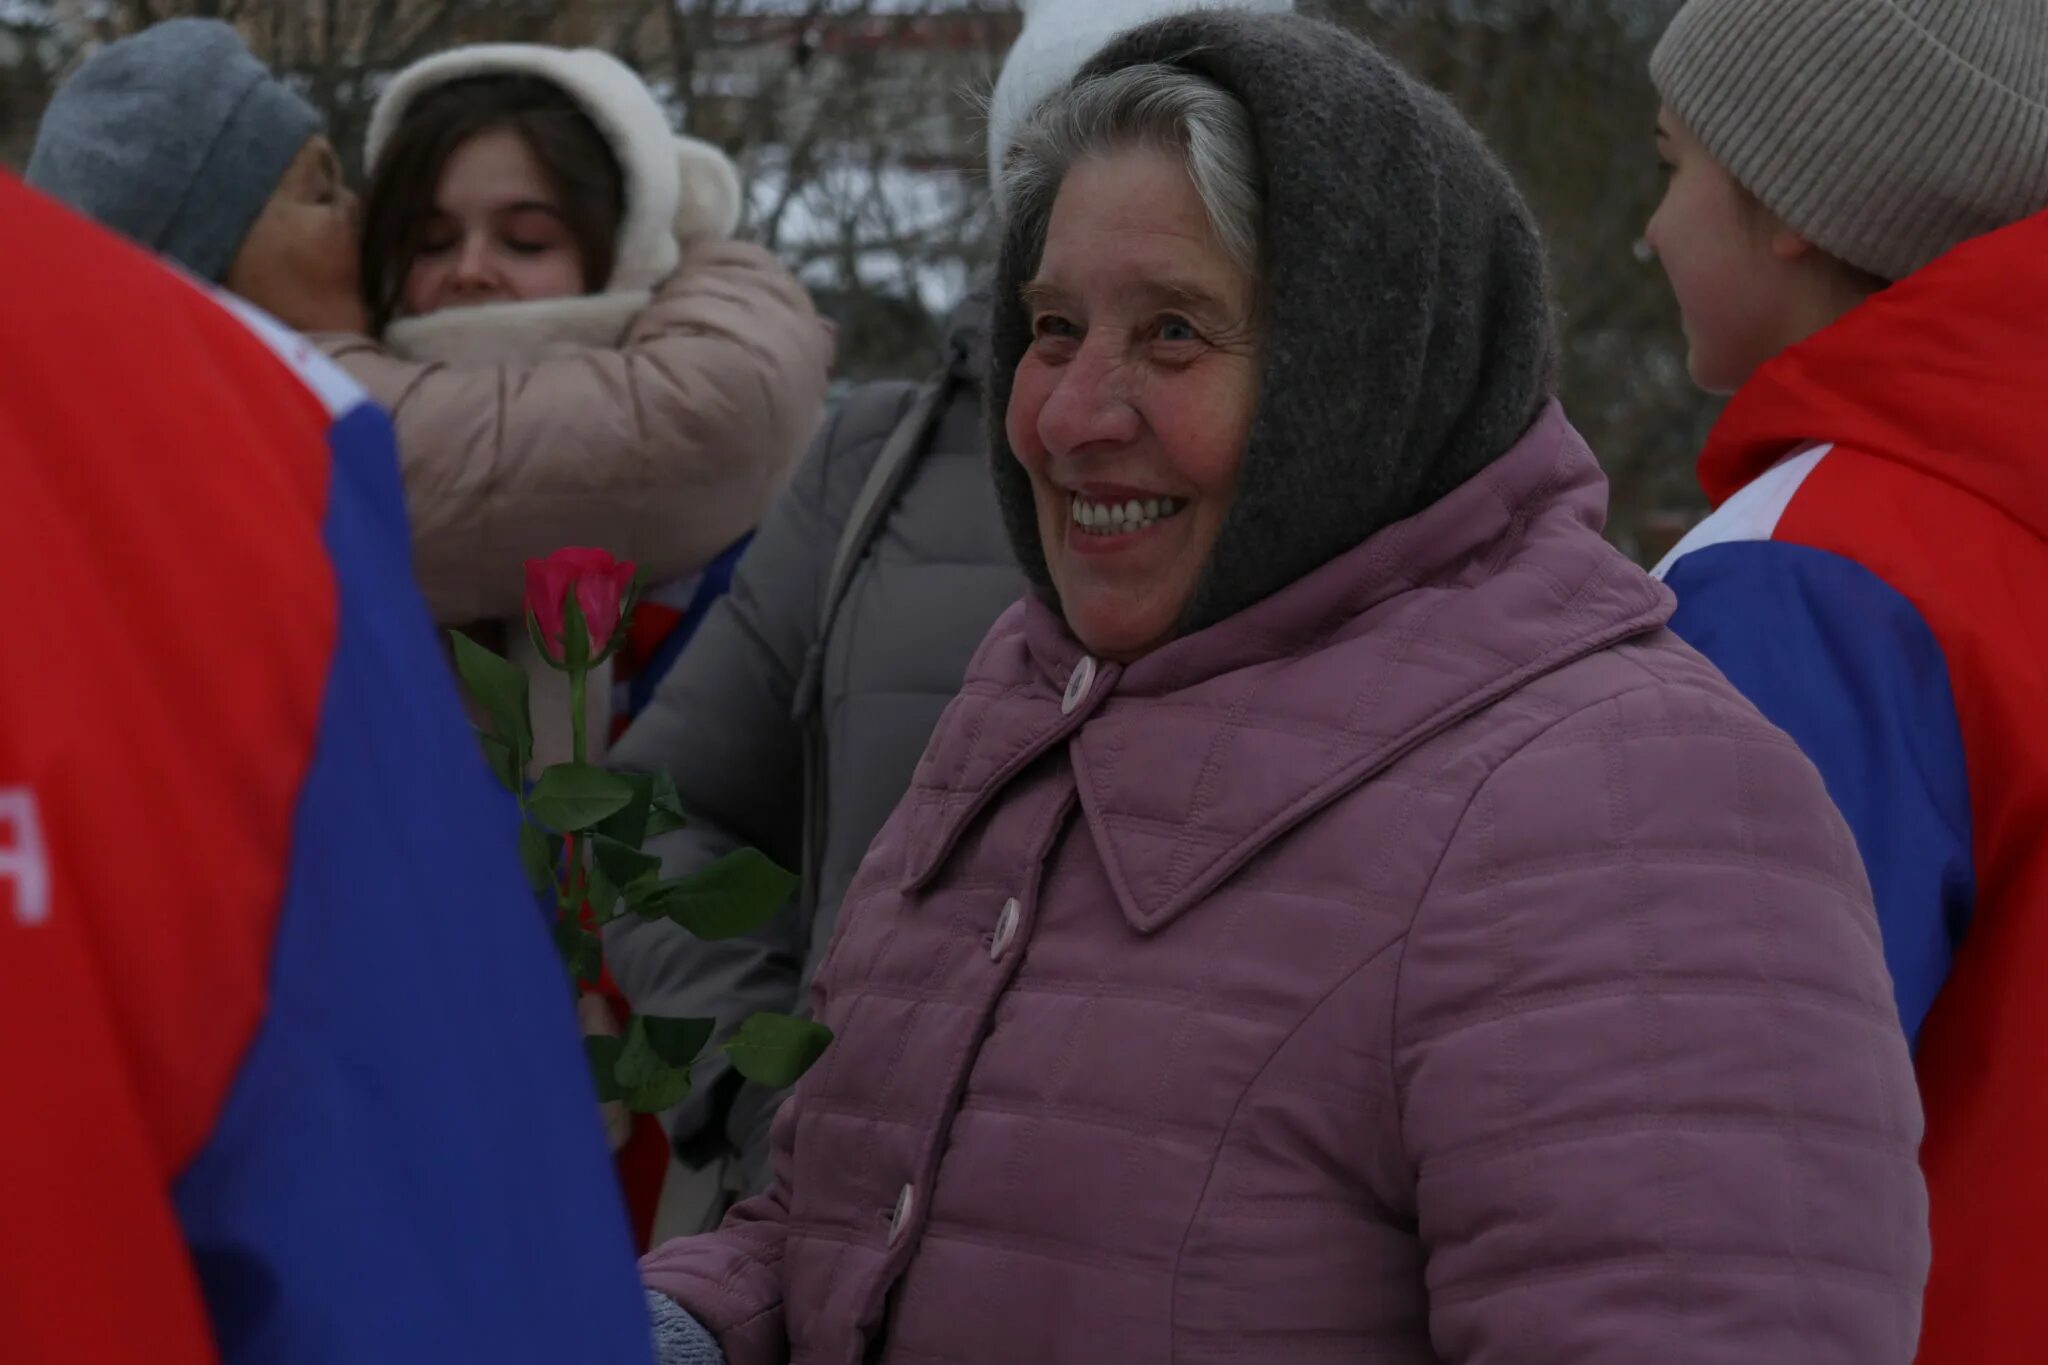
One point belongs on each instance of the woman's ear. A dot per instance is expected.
(709, 205)
(1788, 245)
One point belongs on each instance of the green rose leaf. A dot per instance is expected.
(604, 1065)
(575, 633)
(678, 1042)
(639, 1062)
(629, 825)
(629, 602)
(602, 898)
(653, 1068)
(579, 949)
(775, 1050)
(541, 855)
(540, 642)
(575, 796)
(626, 867)
(735, 895)
(505, 765)
(664, 1090)
(498, 687)
(666, 811)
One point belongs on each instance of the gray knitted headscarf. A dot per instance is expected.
(1408, 333)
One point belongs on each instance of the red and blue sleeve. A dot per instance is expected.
(1845, 664)
(294, 1067)
(409, 1165)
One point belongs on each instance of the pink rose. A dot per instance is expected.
(601, 585)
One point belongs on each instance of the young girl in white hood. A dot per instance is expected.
(574, 353)
(573, 349)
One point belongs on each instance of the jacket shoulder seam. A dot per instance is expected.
(1544, 731)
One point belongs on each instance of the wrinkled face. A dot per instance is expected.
(495, 233)
(1133, 402)
(1734, 269)
(299, 261)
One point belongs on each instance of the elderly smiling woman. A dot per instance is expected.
(1337, 921)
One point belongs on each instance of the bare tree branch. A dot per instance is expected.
(860, 147)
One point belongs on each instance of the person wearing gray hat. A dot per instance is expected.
(180, 139)
(1855, 233)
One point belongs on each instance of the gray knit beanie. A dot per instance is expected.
(175, 137)
(1883, 131)
(1408, 337)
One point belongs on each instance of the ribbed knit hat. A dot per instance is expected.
(175, 137)
(1057, 37)
(1883, 131)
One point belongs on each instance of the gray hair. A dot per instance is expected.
(1150, 105)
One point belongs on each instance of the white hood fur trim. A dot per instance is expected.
(518, 333)
(677, 189)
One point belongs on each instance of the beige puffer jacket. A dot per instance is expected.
(664, 448)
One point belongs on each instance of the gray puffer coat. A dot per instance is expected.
(936, 574)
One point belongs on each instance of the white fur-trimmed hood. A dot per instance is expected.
(678, 189)
(518, 333)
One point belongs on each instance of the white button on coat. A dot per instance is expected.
(1006, 929)
(906, 1202)
(1078, 684)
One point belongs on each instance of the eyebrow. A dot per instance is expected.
(519, 206)
(1160, 293)
(1038, 294)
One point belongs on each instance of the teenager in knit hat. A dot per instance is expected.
(1330, 923)
(1854, 232)
(180, 139)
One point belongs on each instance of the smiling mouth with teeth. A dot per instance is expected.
(1121, 518)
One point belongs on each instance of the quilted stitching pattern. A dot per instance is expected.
(1446, 967)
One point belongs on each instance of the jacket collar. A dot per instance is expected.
(518, 333)
(1194, 759)
(1940, 373)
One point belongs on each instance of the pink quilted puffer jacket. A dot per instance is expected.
(1437, 962)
